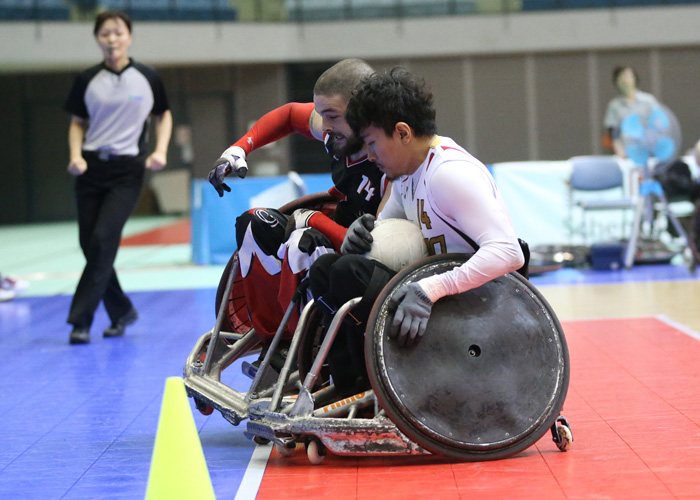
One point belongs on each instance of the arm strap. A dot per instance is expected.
(291, 118)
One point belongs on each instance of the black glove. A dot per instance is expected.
(357, 238)
(216, 176)
(413, 308)
(231, 159)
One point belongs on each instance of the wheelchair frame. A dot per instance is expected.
(285, 410)
(286, 420)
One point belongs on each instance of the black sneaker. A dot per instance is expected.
(79, 335)
(117, 329)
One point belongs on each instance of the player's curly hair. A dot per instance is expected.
(387, 98)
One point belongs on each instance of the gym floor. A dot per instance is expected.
(79, 422)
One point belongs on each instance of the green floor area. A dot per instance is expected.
(48, 256)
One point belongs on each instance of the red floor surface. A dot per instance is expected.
(176, 233)
(634, 407)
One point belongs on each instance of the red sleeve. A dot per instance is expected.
(334, 231)
(335, 193)
(278, 123)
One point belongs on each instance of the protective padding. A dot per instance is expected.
(489, 377)
(236, 315)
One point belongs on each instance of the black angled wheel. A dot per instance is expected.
(236, 317)
(309, 345)
(489, 377)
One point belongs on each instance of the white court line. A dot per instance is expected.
(250, 484)
(678, 326)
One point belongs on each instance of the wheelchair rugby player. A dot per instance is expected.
(463, 357)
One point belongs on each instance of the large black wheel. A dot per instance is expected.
(322, 202)
(236, 318)
(309, 345)
(489, 377)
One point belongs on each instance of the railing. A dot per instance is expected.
(291, 10)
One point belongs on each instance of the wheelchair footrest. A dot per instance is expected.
(341, 436)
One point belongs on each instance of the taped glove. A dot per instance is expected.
(298, 220)
(413, 308)
(231, 160)
(358, 239)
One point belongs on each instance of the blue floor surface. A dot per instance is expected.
(79, 422)
(636, 274)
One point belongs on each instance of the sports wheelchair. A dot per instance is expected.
(487, 381)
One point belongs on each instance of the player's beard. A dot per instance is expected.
(353, 144)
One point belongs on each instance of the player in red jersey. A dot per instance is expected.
(275, 251)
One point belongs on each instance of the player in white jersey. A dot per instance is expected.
(450, 196)
(447, 192)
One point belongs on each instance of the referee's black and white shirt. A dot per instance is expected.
(118, 107)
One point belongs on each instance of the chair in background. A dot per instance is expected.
(602, 175)
(652, 140)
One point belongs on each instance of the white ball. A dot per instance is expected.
(397, 243)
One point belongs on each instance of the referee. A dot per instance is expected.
(111, 104)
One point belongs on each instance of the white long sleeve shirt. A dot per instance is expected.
(454, 200)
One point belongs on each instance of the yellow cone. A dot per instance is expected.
(178, 468)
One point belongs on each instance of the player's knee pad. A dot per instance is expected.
(337, 280)
(350, 275)
(264, 225)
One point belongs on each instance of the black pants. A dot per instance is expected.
(333, 280)
(106, 196)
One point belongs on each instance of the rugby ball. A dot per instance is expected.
(397, 243)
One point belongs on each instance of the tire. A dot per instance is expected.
(490, 375)
(310, 342)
